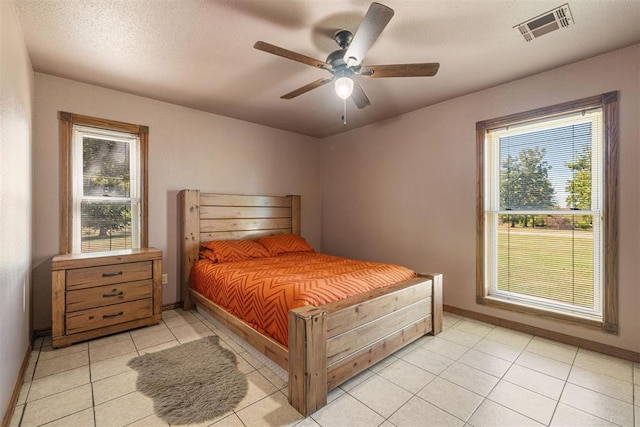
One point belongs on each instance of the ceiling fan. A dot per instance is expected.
(345, 64)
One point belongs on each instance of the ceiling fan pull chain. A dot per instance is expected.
(344, 113)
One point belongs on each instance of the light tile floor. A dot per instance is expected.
(472, 374)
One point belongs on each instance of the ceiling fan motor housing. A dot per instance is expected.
(343, 38)
(336, 59)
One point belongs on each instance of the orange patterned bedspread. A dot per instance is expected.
(261, 291)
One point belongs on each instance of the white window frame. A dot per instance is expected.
(79, 133)
(493, 211)
(604, 175)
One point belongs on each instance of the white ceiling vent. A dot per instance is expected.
(557, 18)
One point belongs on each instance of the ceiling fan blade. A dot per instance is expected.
(359, 97)
(376, 18)
(306, 88)
(400, 70)
(275, 50)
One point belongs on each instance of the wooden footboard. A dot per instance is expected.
(327, 344)
(332, 343)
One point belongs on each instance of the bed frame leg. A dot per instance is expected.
(437, 299)
(189, 240)
(307, 359)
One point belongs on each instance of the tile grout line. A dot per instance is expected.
(93, 400)
(427, 384)
(502, 378)
(486, 398)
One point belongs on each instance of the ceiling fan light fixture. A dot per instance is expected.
(345, 63)
(344, 87)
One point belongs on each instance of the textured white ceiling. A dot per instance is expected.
(198, 53)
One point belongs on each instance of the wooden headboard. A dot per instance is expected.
(210, 216)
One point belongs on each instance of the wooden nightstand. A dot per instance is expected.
(101, 293)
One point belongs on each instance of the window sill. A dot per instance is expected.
(503, 304)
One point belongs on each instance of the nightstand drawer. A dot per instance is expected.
(100, 296)
(108, 274)
(95, 318)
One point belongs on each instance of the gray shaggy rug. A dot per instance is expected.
(192, 382)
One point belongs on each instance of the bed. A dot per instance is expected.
(327, 344)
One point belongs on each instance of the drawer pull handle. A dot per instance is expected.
(111, 316)
(114, 293)
(117, 273)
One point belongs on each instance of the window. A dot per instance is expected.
(104, 184)
(546, 212)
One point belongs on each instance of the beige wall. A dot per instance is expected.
(403, 190)
(16, 95)
(187, 149)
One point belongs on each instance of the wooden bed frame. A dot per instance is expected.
(327, 344)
